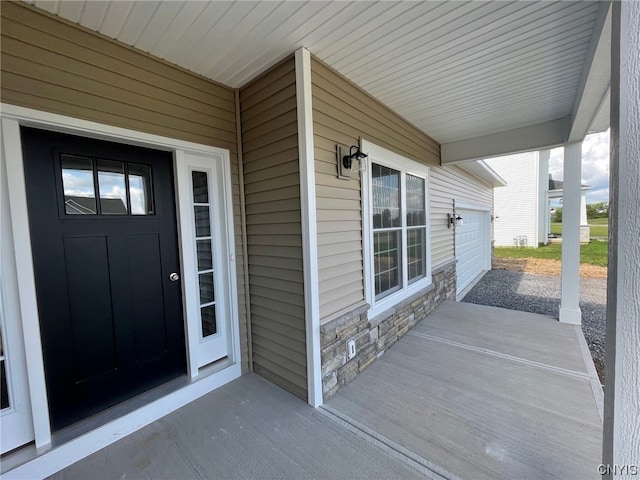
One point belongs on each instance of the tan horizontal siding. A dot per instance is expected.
(53, 65)
(343, 113)
(286, 205)
(286, 192)
(274, 232)
(447, 184)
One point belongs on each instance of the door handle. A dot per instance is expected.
(174, 277)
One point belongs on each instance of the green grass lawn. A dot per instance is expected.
(598, 228)
(594, 252)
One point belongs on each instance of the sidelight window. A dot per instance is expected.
(204, 252)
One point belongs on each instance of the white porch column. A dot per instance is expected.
(583, 209)
(621, 443)
(544, 216)
(569, 300)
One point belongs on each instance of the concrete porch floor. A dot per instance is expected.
(470, 392)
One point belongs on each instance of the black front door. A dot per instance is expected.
(103, 233)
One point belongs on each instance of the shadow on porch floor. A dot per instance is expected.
(470, 392)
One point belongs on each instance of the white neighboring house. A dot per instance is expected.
(522, 208)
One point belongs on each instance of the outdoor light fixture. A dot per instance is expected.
(454, 219)
(345, 156)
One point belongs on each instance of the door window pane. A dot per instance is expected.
(78, 185)
(200, 187)
(4, 392)
(206, 287)
(140, 189)
(113, 190)
(205, 255)
(203, 223)
(208, 315)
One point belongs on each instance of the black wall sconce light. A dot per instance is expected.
(454, 219)
(345, 156)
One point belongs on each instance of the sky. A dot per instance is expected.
(595, 166)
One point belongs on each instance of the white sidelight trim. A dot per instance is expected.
(18, 417)
(570, 279)
(525, 139)
(203, 351)
(12, 118)
(26, 287)
(309, 225)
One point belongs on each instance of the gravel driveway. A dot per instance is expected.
(541, 294)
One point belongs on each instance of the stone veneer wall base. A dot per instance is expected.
(374, 336)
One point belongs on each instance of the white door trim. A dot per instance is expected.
(12, 117)
(17, 419)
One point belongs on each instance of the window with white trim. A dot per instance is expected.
(397, 227)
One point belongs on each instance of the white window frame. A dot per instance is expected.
(387, 158)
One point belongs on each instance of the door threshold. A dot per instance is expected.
(86, 437)
(121, 409)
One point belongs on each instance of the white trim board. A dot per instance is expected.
(12, 118)
(309, 225)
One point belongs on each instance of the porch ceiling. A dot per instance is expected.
(457, 70)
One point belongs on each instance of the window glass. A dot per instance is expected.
(205, 255)
(209, 326)
(416, 214)
(416, 253)
(386, 197)
(113, 190)
(204, 252)
(206, 287)
(200, 187)
(399, 229)
(386, 255)
(203, 223)
(4, 391)
(122, 188)
(140, 189)
(78, 185)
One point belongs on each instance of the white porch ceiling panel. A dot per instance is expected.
(457, 70)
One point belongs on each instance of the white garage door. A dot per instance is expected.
(472, 245)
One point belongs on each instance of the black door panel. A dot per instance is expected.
(103, 229)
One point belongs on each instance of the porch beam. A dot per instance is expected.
(525, 139)
(596, 75)
(570, 279)
(621, 442)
